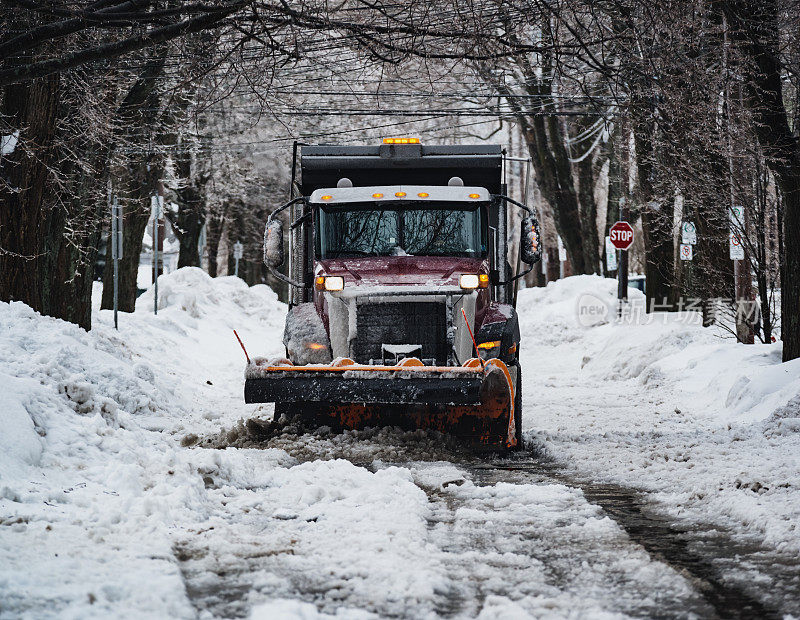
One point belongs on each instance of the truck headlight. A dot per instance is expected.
(469, 281)
(329, 283)
(334, 283)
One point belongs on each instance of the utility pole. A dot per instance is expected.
(737, 222)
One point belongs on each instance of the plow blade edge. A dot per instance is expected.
(473, 404)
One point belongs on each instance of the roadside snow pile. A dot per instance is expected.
(660, 403)
(88, 494)
(78, 477)
(192, 341)
(706, 365)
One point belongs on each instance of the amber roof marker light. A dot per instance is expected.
(401, 141)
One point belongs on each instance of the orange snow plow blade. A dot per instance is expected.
(473, 402)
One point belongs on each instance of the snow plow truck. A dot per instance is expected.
(402, 298)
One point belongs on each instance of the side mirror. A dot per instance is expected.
(273, 244)
(529, 246)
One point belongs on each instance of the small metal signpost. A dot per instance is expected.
(686, 251)
(115, 244)
(156, 202)
(238, 249)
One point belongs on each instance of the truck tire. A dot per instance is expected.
(518, 410)
(282, 409)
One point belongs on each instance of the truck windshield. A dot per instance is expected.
(407, 230)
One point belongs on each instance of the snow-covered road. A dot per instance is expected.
(416, 539)
(136, 488)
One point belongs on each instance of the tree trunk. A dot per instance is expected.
(188, 224)
(73, 269)
(754, 25)
(657, 225)
(615, 195)
(214, 228)
(586, 175)
(550, 242)
(547, 147)
(236, 232)
(31, 109)
(138, 120)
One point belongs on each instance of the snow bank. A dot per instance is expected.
(708, 425)
(75, 471)
(705, 365)
(88, 492)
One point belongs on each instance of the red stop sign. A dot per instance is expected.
(621, 235)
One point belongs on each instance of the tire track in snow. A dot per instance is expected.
(702, 556)
(550, 548)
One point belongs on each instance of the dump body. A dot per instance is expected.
(401, 296)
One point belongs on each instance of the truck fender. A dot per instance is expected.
(501, 323)
(305, 337)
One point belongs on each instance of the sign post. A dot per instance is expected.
(115, 244)
(621, 237)
(238, 249)
(155, 206)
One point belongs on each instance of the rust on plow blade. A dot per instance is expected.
(471, 403)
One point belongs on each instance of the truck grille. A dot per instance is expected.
(421, 323)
